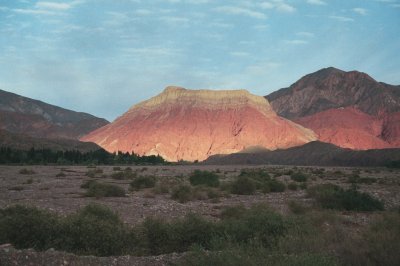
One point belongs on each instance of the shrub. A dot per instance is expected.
(126, 174)
(235, 212)
(356, 179)
(142, 182)
(29, 181)
(16, 188)
(94, 230)
(333, 197)
(204, 178)
(259, 176)
(182, 193)
(162, 187)
(243, 186)
(303, 185)
(28, 227)
(99, 190)
(252, 255)
(296, 207)
(383, 238)
(258, 223)
(116, 168)
(88, 183)
(25, 171)
(274, 185)
(60, 174)
(292, 186)
(299, 177)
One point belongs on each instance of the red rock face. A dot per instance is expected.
(351, 128)
(391, 129)
(182, 124)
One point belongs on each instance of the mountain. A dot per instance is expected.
(348, 109)
(331, 88)
(31, 117)
(318, 154)
(181, 124)
(23, 142)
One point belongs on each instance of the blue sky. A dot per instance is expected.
(102, 56)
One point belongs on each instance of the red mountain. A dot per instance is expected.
(348, 109)
(181, 124)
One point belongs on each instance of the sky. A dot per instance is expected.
(103, 56)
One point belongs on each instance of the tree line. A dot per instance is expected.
(47, 156)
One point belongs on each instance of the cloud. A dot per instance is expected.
(260, 27)
(34, 11)
(234, 10)
(278, 5)
(316, 2)
(283, 7)
(361, 11)
(296, 42)
(53, 6)
(305, 34)
(342, 19)
(143, 12)
(239, 54)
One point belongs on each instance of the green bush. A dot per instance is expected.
(299, 177)
(94, 230)
(176, 236)
(259, 177)
(28, 227)
(204, 178)
(142, 182)
(182, 193)
(331, 196)
(258, 223)
(98, 190)
(243, 186)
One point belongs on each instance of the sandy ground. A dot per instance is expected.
(63, 195)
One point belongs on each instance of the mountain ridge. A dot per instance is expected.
(23, 115)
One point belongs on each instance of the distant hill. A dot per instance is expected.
(311, 154)
(348, 109)
(23, 142)
(333, 88)
(31, 117)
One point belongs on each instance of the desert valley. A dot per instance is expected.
(307, 175)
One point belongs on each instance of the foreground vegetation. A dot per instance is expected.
(255, 236)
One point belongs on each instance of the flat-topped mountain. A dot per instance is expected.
(181, 124)
(22, 115)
